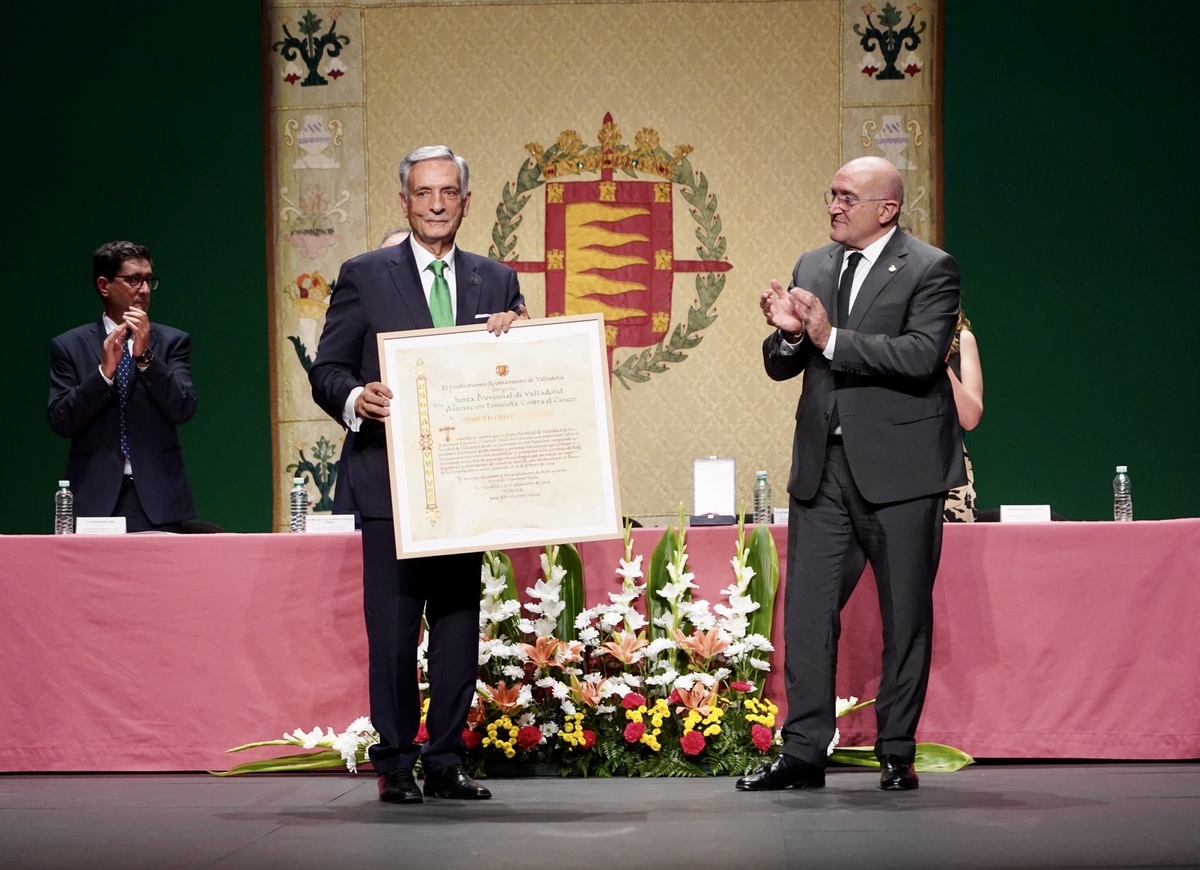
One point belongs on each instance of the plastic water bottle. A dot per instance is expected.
(64, 509)
(299, 505)
(762, 500)
(1122, 496)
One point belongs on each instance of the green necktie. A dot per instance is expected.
(439, 299)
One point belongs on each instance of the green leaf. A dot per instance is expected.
(929, 757)
(656, 578)
(764, 559)
(937, 756)
(571, 592)
(262, 743)
(326, 759)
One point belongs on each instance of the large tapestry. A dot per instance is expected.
(698, 137)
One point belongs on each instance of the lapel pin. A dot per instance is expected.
(475, 280)
(892, 268)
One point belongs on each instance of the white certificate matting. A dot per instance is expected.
(500, 441)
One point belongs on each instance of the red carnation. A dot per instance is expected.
(633, 700)
(673, 698)
(422, 734)
(741, 686)
(762, 737)
(634, 731)
(692, 743)
(529, 737)
(589, 738)
(471, 738)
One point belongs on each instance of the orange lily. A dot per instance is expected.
(570, 651)
(543, 653)
(699, 698)
(702, 644)
(502, 696)
(588, 693)
(624, 647)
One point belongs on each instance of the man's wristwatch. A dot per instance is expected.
(145, 357)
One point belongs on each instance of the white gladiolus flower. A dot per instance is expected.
(837, 735)
(842, 705)
(493, 587)
(630, 571)
(552, 609)
(542, 590)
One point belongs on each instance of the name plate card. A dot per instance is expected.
(327, 524)
(1024, 513)
(500, 441)
(100, 525)
(713, 491)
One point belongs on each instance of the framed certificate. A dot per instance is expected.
(500, 441)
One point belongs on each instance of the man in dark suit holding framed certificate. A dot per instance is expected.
(867, 320)
(423, 282)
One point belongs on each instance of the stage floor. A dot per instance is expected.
(1001, 816)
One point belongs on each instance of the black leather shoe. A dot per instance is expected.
(784, 772)
(453, 782)
(896, 774)
(399, 787)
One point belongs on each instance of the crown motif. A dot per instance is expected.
(569, 156)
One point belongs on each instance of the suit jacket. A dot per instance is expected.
(381, 291)
(888, 378)
(83, 407)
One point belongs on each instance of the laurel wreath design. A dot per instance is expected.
(638, 367)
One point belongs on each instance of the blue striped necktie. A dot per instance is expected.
(124, 378)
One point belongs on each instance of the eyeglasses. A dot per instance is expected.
(135, 282)
(846, 201)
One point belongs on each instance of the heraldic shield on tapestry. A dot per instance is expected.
(609, 242)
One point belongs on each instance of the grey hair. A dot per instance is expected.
(434, 152)
(392, 232)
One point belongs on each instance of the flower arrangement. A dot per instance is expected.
(651, 682)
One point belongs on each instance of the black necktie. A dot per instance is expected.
(843, 299)
(843, 314)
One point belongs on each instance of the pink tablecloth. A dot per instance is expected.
(142, 652)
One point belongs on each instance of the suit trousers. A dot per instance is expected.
(130, 507)
(396, 593)
(830, 538)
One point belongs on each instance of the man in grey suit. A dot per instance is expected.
(424, 281)
(119, 387)
(868, 321)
